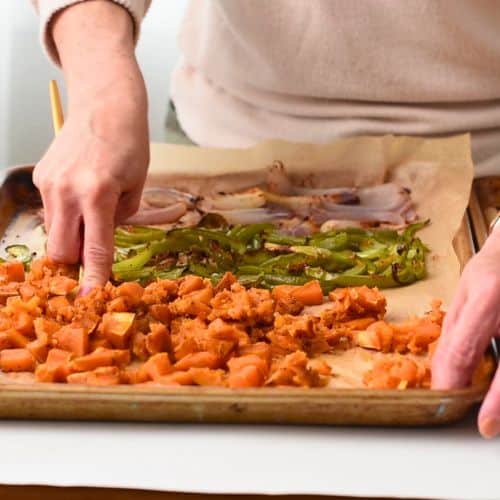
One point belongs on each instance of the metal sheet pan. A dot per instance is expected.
(416, 407)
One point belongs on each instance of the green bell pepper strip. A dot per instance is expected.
(282, 239)
(20, 252)
(138, 234)
(246, 233)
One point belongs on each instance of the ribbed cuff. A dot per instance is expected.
(48, 8)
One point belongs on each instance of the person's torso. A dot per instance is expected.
(360, 66)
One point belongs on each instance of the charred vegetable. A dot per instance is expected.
(260, 255)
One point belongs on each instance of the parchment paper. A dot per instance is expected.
(438, 171)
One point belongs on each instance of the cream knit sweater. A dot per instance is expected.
(314, 70)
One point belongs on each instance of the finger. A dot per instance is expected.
(489, 415)
(128, 205)
(98, 244)
(64, 238)
(464, 341)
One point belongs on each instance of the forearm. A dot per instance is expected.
(95, 44)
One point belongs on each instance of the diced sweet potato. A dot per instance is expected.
(38, 349)
(45, 328)
(101, 357)
(309, 294)
(12, 271)
(56, 368)
(61, 285)
(237, 363)
(16, 339)
(71, 338)
(189, 284)
(118, 304)
(206, 376)
(176, 378)
(198, 360)
(155, 367)
(23, 323)
(117, 328)
(247, 376)
(158, 340)
(106, 375)
(131, 291)
(17, 360)
(160, 312)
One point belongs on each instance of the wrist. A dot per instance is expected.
(95, 44)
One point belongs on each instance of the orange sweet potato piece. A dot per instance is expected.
(23, 323)
(201, 359)
(131, 291)
(59, 307)
(17, 360)
(320, 366)
(38, 349)
(4, 341)
(237, 363)
(158, 340)
(160, 312)
(118, 304)
(261, 349)
(61, 285)
(101, 357)
(56, 368)
(189, 284)
(45, 328)
(206, 376)
(309, 294)
(12, 271)
(247, 376)
(176, 378)
(71, 338)
(117, 328)
(16, 339)
(155, 367)
(105, 375)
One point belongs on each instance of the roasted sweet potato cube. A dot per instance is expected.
(72, 338)
(17, 360)
(12, 271)
(61, 285)
(117, 328)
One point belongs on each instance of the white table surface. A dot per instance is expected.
(441, 463)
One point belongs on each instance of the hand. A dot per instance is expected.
(93, 173)
(471, 322)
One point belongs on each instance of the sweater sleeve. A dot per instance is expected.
(48, 8)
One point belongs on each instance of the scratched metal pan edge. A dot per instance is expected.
(413, 407)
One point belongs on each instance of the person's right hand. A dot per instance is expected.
(93, 173)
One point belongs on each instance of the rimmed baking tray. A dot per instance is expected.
(415, 407)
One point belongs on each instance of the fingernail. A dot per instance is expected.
(489, 427)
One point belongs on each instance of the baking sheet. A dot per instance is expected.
(438, 171)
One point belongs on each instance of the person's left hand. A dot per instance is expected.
(472, 321)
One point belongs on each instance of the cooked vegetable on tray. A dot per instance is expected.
(186, 331)
(301, 209)
(261, 255)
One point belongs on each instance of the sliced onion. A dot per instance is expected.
(251, 215)
(165, 215)
(254, 198)
(355, 213)
(387, 196)
(161, 197)
(338, 195)
(301, 205)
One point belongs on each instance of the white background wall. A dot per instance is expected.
(25, 122)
